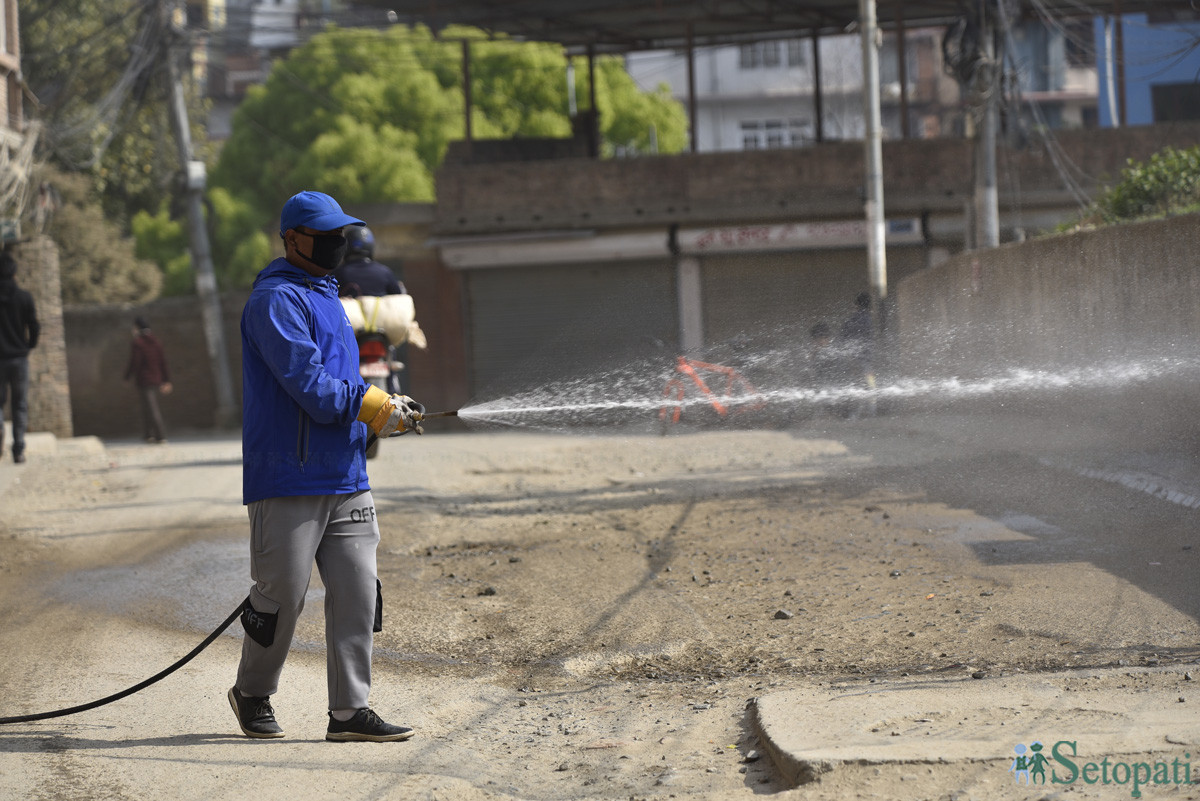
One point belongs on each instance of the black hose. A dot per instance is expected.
(135, 688)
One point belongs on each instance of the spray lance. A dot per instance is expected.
(418, 418)
(237, 613)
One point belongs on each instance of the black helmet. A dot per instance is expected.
(360, 241)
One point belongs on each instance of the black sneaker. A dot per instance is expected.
(365, 726)
(255, 715)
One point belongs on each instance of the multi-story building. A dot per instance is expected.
(1052, 67)
(251, 34)
(759, 95)
(762, 94)
(1150, 68)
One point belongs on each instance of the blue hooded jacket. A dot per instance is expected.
(301, 390)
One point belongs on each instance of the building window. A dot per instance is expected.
(771, 55)
(800, 131)
(775, 134)
(751, 136)
(1080, 46)
(749, 57)
(797, 54)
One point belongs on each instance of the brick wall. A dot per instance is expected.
(819, 182)
(98, 343)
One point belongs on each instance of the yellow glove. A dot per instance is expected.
(380, 413)
(387, 414)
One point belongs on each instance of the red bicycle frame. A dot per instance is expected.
(734, 382)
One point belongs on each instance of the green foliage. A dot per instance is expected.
(1168, 183)
(97, 264)
(164, 241)
(237, 236)
(628, 115)
(355, 113)
(368, 115)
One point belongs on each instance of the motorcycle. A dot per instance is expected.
(382, 325)
(378, 368)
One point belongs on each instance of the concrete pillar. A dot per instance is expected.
(690, 299)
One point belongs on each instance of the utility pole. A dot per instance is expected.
(987, 196)
(226, 414)
(876, 252)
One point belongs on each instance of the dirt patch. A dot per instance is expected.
(570, 616)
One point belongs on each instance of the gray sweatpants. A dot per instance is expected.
(286, 536)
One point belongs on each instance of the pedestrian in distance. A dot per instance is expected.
(148, 370)
(306, 420)
(18, 335)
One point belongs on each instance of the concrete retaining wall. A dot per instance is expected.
(1105, 302)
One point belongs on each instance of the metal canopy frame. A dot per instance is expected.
(625, 25)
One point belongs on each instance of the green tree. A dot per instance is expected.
(98, 73)
(637, 121)
(368, 115)
(163, 241)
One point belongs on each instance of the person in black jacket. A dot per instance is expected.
(18, 335)
(361, 276)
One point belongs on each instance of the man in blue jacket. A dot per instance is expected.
(306, 418)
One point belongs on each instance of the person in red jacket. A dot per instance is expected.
(148, 369)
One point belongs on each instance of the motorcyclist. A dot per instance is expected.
(360, 274)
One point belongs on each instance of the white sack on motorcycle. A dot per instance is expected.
(393, 315)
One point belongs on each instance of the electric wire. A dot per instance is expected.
(1066, 168)
(75, 140)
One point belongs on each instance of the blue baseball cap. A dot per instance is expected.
(314, 210)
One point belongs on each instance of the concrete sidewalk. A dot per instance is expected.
(1124, 715)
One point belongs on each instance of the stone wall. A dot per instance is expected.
(49, 404)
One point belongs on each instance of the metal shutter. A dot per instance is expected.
(531, 325)
(770, 296)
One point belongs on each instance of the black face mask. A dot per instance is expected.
(328, 251)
